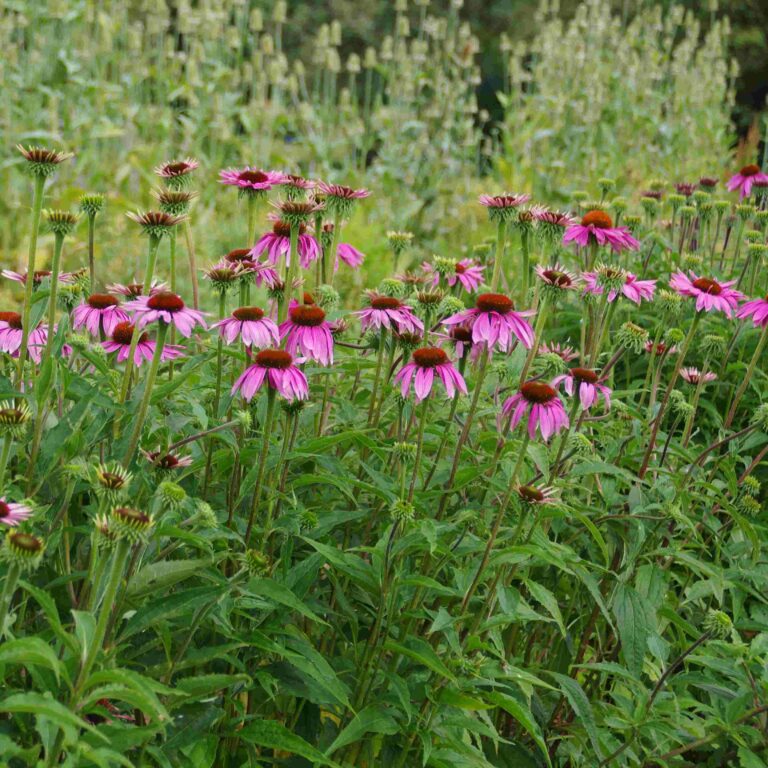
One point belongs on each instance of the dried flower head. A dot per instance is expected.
(61, 223)
(155, 223)
(174, 201)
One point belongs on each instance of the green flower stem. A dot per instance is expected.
(419, 447)
(258, 487)
(9, 587)
(497, 525)
(747, 377)
(501, 237)
(219, 355)
(673, 379)
(6, 452)
(737, 250)
(538, 330)
(192, 263)
(252, 204)
(141, 416)
(605, 326)
(55, 264)
(37, 209)
(149, 273)
(526, 262)
(377, 374)
(329, 257)
(116, 571)
(172, 258)
(291, 272)
(92, 250)
(564, 439)
(695, 404)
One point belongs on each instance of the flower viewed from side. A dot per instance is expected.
(551, 224)
(11, 333)
(132, 290)
(543, 406)
(502, 206)
(555, 280)
(660, 348)
(533, 495)
(12, 514)
(42, 161)
(176, 173)
(710, 295)
(390, 313)
(155, 223)
(275, 368)
(251, 181)
(633, 289)
(588, 384)
(745, 179)
(349, 255)
(277, 244)
(167, 461)
(339, 199)
(307, 333)
(495, 322)
(251, 326)
(757, 309)
(695, 376)
(120, 341)
(38, 277)
(166, 307)
(428, 362)
(99, 312)
(597, 227)
(467, 273)
(565, 353)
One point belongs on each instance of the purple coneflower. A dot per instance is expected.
(564, 352)
(251, 180)
(120, 342)
(466, 272)
(633, 289)
(685, 188)
(251, 326)
(745, 178)
(708, 182)
(390, 313)
(428, 362)
(495, 322)
(502, 206)
(532, 494)
(589, 386)
(757, 309)
(12, 514)
(277, 243)
(306, 333)
(99, 312)
(695, 376)
(556, 277)
(167, 460)
(11, 333)
(659, 348)
(133, 290)
(169, 308)
(38, 277)
(276, 368)
(339, 190)
(597, 227)
(710, 295)
(544, 408)
(176, 173)
(349, 255)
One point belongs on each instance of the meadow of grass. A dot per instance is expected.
(447, 449)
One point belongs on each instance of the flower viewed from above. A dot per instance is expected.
(120, 341)
(251, 326)
(277, 244)
(633, 289)
(745, 179)
(389, 313)
(307, 333)
(427, 363)
(39, 276)
(275, 368)
(166, 307)
(12, 514)
(495, 322)
(710, 295)
(251, 180)
(695, 376)
(588, 384)
(100, 312)
(596, 227)
(757, 309)
(466, 273)
(542, 404)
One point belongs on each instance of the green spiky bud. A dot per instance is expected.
(171, 495)
(718, 624)
(14, 417)
(92, 204)
(632, 337)
(402, 511)
(131, 524)
(676, 201)
(23, 550)
(61, 223)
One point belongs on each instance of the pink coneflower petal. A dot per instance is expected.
(427, 363)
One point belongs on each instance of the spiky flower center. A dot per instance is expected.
(429, 357)
(750, 170)
(308, 315)
(177, 169)
(112, 480)
(165, 301)
(308, 298)
(558, 278)
(253, 177)
(283, 228)
(459, 333)
(132, 516)
(248, 313)
(239, 255)
(123, 333)
(704, 284)
(12, 318)
(5, 510)
(274, 358)
(386, 302)
(530, 493)
(39, 275)
(12, 416)
(584, 375)
(599, 219)
(25, 542)
(494, 302)
(460, 268)
(537, 392)
(101, 301)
